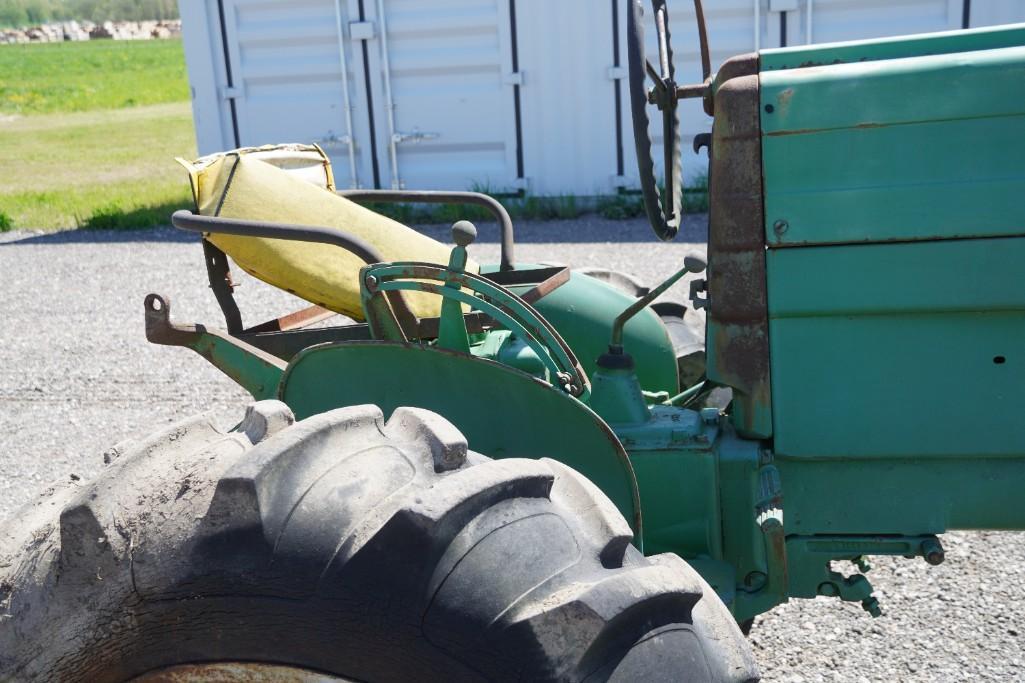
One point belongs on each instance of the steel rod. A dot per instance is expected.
(396, 181)
(432, 197)
(346, 101)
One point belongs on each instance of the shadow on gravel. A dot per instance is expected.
(18, 237)
(589, 228)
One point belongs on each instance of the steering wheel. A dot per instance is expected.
(665, 212)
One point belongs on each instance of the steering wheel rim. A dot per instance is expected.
(665, 223)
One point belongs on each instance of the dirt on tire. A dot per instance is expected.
(346, 544)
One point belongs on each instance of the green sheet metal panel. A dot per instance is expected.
(875, 49)
(922, 495)
(897, 350)
(504, 413)
(906, 149)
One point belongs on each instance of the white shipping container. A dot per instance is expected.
(505, 95)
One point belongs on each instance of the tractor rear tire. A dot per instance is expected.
(348, 546)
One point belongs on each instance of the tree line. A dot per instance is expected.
(30, 12)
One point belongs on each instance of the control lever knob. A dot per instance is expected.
(463, 233)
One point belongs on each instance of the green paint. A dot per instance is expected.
(878, 49)
(480, 294)
(582, 310)
(506, 348)
(896, 320)
(503, 412)
(616, 395)
(452, 327)
(849, 156)
(256, 372)
(894, 350)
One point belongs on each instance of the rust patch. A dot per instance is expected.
(738, 301)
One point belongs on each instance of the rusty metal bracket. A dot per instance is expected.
(255, 370)
(293, 321)
(219, 273)
(547, 280)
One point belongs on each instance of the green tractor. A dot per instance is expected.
(513, 471)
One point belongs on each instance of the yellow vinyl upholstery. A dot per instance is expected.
(240, 185)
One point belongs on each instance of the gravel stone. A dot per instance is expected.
(77, 376)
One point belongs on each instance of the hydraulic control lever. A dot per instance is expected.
(691, 264)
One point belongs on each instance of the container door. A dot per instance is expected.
(443, 93)
(286, 61)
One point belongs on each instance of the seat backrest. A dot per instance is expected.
(287, 188)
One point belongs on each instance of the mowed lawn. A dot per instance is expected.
(88, 133)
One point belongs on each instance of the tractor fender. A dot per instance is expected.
(583, 311)
(504, 412)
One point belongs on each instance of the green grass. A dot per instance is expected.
(102, 74)
(88, 132)
(94, 140)
(73, 170)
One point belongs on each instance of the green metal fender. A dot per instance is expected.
(503, 412)
(582, 310)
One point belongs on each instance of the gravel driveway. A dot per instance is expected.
(77, 376)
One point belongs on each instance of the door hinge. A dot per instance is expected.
(331, 139)
(414, 136)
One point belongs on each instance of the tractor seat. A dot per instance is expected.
(293, 184)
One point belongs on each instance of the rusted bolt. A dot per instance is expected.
(828, 589)
(371, 283)
(780, 227)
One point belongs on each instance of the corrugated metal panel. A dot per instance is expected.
(569, 116)
(837, 20)
(285, 58)
(995, 12)
(449, 69)
(207, 75)
(730, 32)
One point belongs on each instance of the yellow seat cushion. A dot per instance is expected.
(242, 186)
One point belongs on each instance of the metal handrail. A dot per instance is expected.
(434, 197)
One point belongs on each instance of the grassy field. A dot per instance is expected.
(88, 132)
(99, 74)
